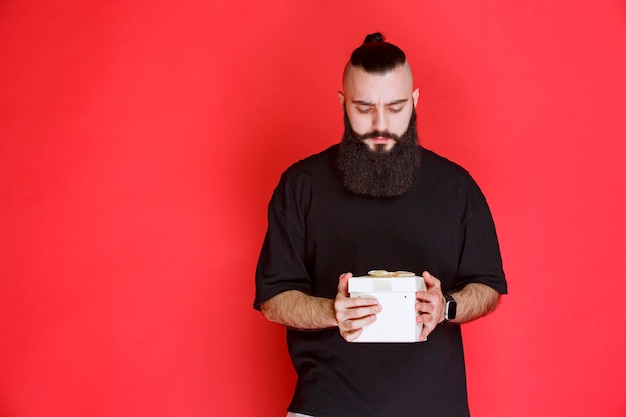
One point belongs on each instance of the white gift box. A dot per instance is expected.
(396, 295)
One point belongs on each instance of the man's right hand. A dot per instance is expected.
(353, 313)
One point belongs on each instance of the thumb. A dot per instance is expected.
(342, 288)
(429, 279)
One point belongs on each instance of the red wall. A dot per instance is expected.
(140, 142)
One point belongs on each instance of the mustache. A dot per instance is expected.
(377, 134)
(410, 132)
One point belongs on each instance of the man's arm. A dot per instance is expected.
(305, 312)
(474, 301)
(300, 311)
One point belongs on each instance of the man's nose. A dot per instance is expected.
(380, 121)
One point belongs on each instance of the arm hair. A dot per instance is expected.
(300, 311)
(475, 301)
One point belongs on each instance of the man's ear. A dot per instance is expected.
(415, 95)
(342, 99)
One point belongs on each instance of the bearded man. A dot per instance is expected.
(377, 200)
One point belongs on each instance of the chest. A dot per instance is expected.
(421, 228)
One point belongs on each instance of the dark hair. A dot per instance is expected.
(376, 56)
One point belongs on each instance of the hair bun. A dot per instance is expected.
(374, 37)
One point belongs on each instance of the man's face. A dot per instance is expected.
(379, 107)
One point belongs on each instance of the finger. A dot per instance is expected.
(429, 296)
(426, 330)
(360, 312)
(356, 302)
(342, 288)
(352, 335)
(347, 309)
(430, 280)
(352, 318)
(357, 324)
(424, 305)
(428, 325)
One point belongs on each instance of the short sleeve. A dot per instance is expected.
(480, 260)
(281, 266)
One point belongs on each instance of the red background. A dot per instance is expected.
(141, 141)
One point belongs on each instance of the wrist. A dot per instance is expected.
(332, 313)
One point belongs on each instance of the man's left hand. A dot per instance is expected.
(430, 305)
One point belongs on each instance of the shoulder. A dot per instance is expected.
(304, 178)
(316, 161)
(432, 161)
(317, 166)
(435, 166)
(441, 176)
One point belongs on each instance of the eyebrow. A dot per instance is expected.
(391, 103)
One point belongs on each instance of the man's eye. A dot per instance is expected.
(395, 109)
(364, 110)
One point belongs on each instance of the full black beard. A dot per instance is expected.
(378, 173)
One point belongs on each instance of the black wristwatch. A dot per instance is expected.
(450, 310)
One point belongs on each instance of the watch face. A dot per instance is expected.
(450, 310)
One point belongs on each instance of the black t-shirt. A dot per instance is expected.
(317, 230)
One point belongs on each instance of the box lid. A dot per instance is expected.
(385, 284)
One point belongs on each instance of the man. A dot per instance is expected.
(377, 200)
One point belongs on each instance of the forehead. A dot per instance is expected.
(393, 85)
